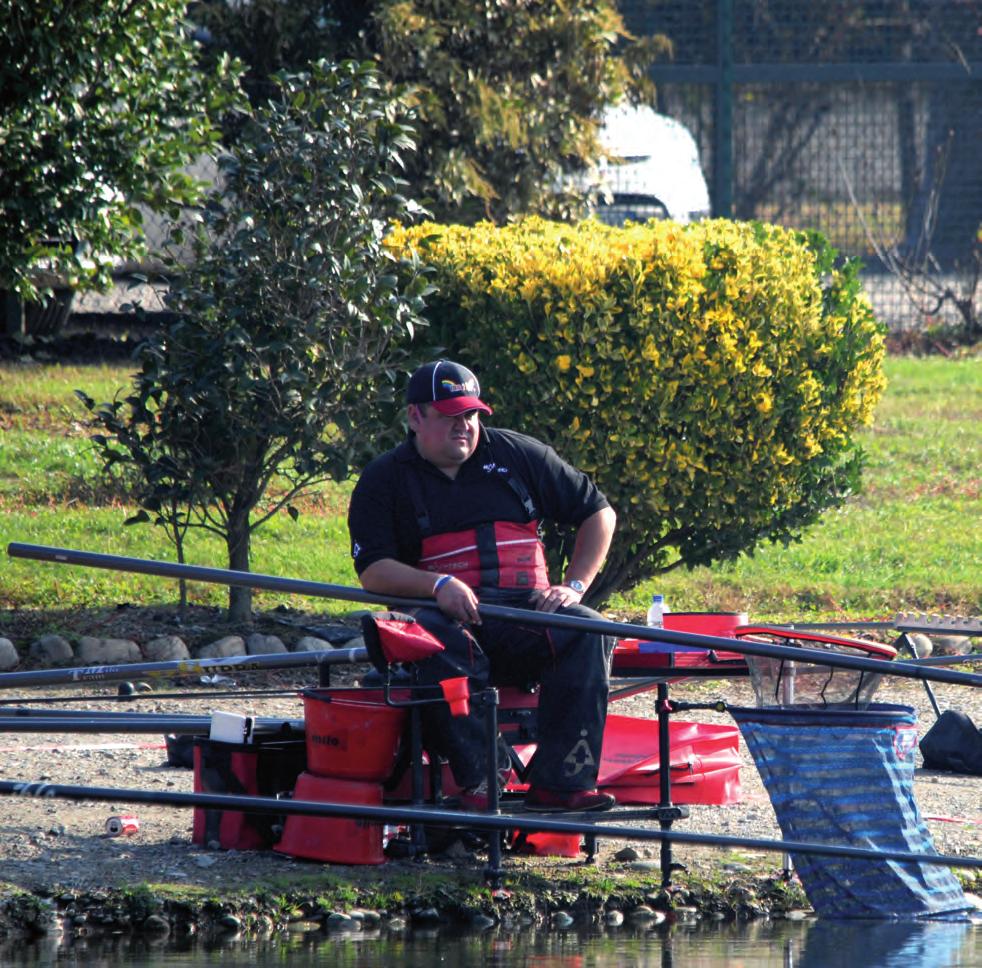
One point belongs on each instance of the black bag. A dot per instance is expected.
(953, 743)
(262, 769)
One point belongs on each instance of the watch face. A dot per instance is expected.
(577, 586)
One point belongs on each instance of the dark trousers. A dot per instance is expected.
(571, 667)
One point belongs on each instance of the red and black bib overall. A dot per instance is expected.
(504, 561)
(500, 555)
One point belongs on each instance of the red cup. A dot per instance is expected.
(456, 693)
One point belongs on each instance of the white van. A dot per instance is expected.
(652, 169)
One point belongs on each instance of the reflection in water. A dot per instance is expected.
(765, 944)
(926, 944)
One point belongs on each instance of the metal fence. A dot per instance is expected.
(860, 119)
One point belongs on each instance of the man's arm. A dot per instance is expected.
(593, 539)
(391, 577)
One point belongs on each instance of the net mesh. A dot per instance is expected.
(778, 682)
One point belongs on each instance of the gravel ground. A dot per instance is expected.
(46, 842)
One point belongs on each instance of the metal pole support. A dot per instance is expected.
(417, 832)
(666, 812)
(493, 873)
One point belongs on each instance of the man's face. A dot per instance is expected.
(444, 441)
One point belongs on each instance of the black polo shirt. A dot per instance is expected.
(383, 522)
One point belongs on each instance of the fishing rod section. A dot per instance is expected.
(523, 616)
(86, 721)
(455, 818)
(6, 704)
(181, 667)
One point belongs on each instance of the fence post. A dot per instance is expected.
(723, 125)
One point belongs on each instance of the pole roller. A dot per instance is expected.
(524, 616)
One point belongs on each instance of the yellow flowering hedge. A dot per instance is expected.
(709, 377)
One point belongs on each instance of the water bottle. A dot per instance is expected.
(656, 612)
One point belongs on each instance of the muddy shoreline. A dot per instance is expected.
(440, 897)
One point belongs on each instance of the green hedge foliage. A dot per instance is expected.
(710, 378)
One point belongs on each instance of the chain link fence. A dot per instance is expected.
(860, 119)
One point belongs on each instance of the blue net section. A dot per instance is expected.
(845, 777)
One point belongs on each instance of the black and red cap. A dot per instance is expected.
(450, 387)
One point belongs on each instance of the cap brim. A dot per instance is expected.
(455, 405)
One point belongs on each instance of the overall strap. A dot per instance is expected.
(518, 486)
(416, 496)
(415, 489)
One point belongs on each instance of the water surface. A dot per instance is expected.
(777, 944)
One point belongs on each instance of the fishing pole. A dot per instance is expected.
(181, 667)
(155, 723)
(178, 727)
(526, 617)
(486, 821)
(943, 660)
(108, 714)
(114, 697)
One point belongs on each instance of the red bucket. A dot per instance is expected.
(333, 839)
(351, 733)
(705, 623)
(640, 654)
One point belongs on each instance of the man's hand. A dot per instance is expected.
(554, 597)
(457, 600)
(390, 577)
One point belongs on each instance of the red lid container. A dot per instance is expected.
(705, 623)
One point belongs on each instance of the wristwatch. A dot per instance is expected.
(576, 585)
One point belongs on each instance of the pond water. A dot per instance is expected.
(777, 944)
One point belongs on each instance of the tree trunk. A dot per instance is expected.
(182, 584)
(237, 542)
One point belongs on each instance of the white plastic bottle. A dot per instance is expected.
(656, 612)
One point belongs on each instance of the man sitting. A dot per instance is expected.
(453, 513)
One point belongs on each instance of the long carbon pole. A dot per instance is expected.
(485, 821)
(110, 716)
(180, 667)
(114, 716)
(200, 695)
(179, 726)
(297, 586)
(25, 720)
(943, 660)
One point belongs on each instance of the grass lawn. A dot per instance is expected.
(911, 541)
